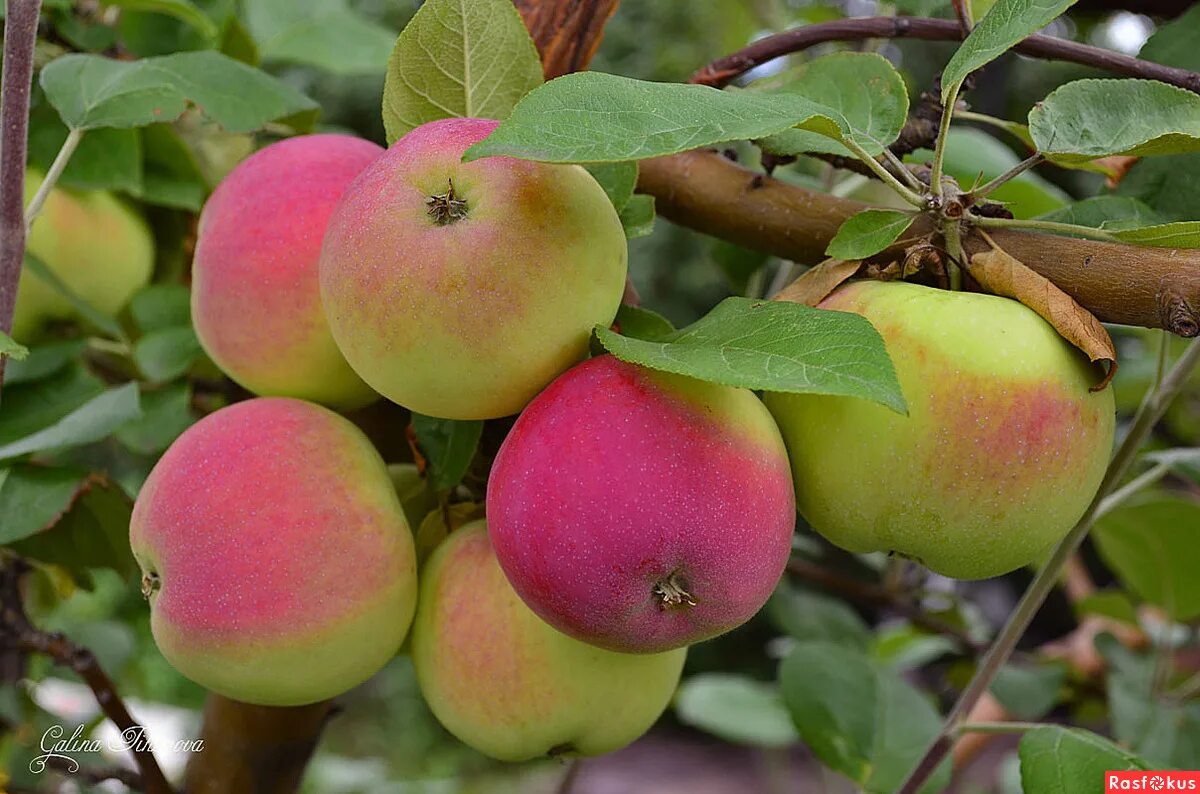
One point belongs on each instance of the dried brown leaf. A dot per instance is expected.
(816, 284)
(1000, 273)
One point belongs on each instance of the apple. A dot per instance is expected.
(1002, 450)
(256, 303)
(459, 290)
(506, 683)
(97, 245)
(278, 563)
(641, 511)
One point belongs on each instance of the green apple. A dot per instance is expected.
(1003, 447)
(509, 685)
(98, 246)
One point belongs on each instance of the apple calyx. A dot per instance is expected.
(150, 584)
(673, 593)
(446, 208)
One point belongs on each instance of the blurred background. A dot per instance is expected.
(728, 731)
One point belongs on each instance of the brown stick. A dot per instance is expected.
(724, 70)
(1151, 287)
(20, 37)
(255, 749)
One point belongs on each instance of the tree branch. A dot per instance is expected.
(1132, 285)
(18, 634)
(255, 749)
(567, 34)
(724, 70)
(20, 37)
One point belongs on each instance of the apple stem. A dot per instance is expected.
(447, 208)
(1153, 406)
(673, 594)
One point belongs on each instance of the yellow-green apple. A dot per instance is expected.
(94, 243)
(256, 303)
(460, 290)
(506, 683)
(1003, 447)
(641, 511)
(278, 564)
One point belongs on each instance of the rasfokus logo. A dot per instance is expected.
(1155, 780)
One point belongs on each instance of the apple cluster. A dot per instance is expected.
(630, 513)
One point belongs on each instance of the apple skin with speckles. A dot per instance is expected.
(278, 563)
(641, 511)
(97, 245)
(508, 684)
(459, 290)
(1003, 447)
(256, 301)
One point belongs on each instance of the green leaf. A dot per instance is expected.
(43, 360)
(85, 310)
(906, 647)
(1176, 43)
(859, 718)
(1028, 692)
(90, 91)
(1170, 185)
(636, 322)
(1107, 603)
(166, 413)
(172, 176)
(93, 533)
(327, 34)
(161, 306)
(1112, 213)
(33, 498)
(1181, 234)
(864, 89)
(1057, 760)
(12, 349)
(1152, 547)
(807, 615)
(106, 159)
(182, 10)
(1001, 28)
(617, 179)
(167, 354)
(448, 445)
(39, 403)
(1087, 119)
(592, 117)
(90, 422)
(637, 216)
(469, 58)
(735, 708)
(773, 346)
(867, 233)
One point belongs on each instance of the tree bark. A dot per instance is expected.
(567, 32)
(1133, 285)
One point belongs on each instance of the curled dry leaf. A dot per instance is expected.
(1115, 168)
(817, 282)
(1000, 273)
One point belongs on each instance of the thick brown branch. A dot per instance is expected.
(255, 749)
(567, 33)
(1151, 287)
(20, 36)
(724, 70)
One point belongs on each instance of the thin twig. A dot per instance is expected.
(1117, 497)
(567, 784)
(1149, 412)
(56, 168)
(20, 38)
(877, 168)
(17, 632)
(725, 70)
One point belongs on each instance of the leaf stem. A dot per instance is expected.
(884, 174)
(908, 176)
(952, 234)
(1053, 227)
(1153, 405)
(997, 727)
(1131, 488)
(939, 148)
(1012, 173)
(56, 168)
